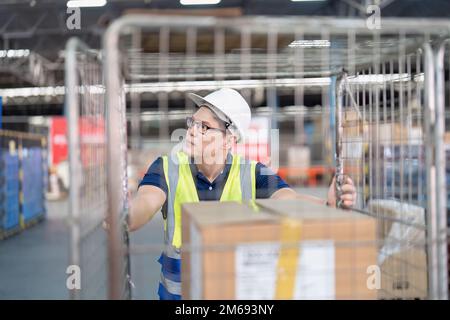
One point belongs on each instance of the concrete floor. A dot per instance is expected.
(145, 269)
(33, 263)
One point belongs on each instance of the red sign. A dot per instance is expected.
(256, 145)
(58, 139)
(92, 139)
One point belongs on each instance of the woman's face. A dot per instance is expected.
(206, 139)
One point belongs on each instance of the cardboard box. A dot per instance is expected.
(299, 157)
(276, 249)
(404, 276)
(402, 255)
(447, 138)
(356, 130)
(299, 161)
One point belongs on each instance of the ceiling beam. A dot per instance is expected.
(217, 12)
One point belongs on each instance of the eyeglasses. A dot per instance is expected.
(190, 122)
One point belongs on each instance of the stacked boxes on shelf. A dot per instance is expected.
(23, 176)
(32, 185)
(401, 173)
(9, 193)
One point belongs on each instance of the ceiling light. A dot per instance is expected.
(198, 2)
(20, 53)
(309, 44)
(85, 3)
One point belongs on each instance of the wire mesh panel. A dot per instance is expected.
(86, 114)
(384, 151)
(377, 93)
(443, 153)
(387, 141)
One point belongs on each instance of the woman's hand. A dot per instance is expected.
(347, 197)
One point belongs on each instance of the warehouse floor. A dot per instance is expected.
(33, 263)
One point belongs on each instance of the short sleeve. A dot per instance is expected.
(155, 176)
(267, 182)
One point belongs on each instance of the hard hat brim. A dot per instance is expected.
(200, 101)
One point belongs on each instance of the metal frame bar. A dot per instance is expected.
(339, 91)
(114, 115)
(284, 24)
(72, 111)
(431, 214)
(83, 98)
(441, 192)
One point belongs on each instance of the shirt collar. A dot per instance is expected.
(196, 174)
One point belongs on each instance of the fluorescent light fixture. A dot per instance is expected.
(198, 2)
(32, 92)
(20, 53)
(309, 44)
(420, 77)
(85, 3)
(382, 78)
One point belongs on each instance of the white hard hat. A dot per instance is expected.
(230, 107)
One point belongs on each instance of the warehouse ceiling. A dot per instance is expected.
(40, 27)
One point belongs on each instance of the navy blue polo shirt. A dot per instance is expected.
(266, 184)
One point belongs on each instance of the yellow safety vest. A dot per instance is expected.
(240, 186)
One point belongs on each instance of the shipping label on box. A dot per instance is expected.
(257, 271)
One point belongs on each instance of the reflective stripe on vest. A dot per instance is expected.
(240, 186)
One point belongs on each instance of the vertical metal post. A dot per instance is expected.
(72, 111)
(419, 88)
(299, 134)
(163, 97)
(135, 96)
(370, 172)
(219, 53)
(393, 138)
(114, 155)
(272, 101)
(325, 62)
(401, 62)
(409, 105)
(376, 112)
(430, 117)
(245, 61)
(441, 192)
(333, 120)
(339, 135)
(385, 122)
(364, 167)
(191, 52)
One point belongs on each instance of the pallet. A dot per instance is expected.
(10, 232)
(31, 222)
(306, 176)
